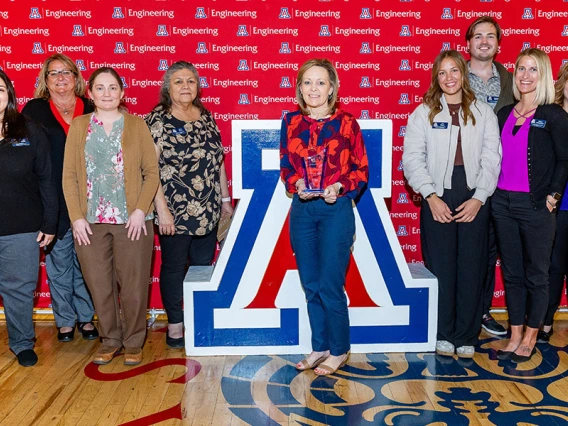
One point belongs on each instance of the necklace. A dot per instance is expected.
(525, 115)
(66, 110)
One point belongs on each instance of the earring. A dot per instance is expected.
(329, 97)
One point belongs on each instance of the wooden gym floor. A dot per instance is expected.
(65, 388)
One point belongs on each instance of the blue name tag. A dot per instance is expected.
(179, 131)
(535, 122)
(22, 142)
(440, 125)
(492, 99)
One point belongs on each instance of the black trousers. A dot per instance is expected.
(558, 266)
(492, 253)
(456, 253)
(525, 237)
(178, 252)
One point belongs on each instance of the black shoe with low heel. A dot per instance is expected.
(66, 336)
(502, 355)
(88, 334)
(175, 343)
(522, 358)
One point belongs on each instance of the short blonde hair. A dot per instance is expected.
(43, 92)
(560, 84)
(544, 93)
(333, 80)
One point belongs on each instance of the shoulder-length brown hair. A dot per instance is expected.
(42, 91)
(560, 84)
(114, 73)
(333, 80)
(433, 96)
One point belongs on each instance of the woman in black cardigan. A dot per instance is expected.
(534, 170)
(59, 97)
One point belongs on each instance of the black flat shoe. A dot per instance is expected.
(27, 358)
(502, 355)
(543, 336)
(174, 343)
(522, 358)
(67, 336)
(88, 334)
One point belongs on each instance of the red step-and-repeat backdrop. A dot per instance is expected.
(248, 54)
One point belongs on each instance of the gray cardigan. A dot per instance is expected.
(429, 151)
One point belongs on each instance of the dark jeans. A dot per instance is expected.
(322, 236)
(558, 264)
(456, 253)
(525, 237)
(178, 251)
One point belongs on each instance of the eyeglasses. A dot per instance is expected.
(64, 73)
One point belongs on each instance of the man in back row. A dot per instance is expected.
(492, 84)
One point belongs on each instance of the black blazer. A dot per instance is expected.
(547, 152)
(40, 111)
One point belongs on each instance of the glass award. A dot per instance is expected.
(314, 169)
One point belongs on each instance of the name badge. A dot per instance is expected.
(21, 142)
(492, 99)
(440, 125)
(179, 131)
(535, 122)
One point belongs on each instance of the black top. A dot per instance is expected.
(547, 152)
(28, 195)
(40, 111)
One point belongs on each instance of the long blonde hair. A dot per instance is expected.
(433, 96)
(544, 92)
(560, 84)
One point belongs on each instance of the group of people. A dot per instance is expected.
(80, 179)
(87, 181)
(487, 151)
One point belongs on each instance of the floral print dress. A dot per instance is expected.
(190, 169)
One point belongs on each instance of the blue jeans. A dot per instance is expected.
(322, 236)
(19, 268)
(69, 296)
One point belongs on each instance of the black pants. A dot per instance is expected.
(178, 251)
(492, 254)
(525, 237)
(558, 264)
(457, 254)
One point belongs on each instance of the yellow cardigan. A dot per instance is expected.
(141, 177)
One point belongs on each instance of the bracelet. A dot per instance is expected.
(226, 200)
(429, 195)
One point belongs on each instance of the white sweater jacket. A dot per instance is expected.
(430, 149)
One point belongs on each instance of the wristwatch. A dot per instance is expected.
(340, 191)
(555, 195)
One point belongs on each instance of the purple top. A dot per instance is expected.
(514, 165)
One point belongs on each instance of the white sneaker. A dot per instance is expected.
(445, 348)
(465, 351)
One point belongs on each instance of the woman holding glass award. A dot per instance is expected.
(324, 166)
(452, 158)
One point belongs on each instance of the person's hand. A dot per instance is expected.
(136, 225)
(301, 187)
(166, 223)
(227, 209)
(440, 210)
(551, 203)
(468, 210)
(81, 231)
(330, 193)
(44, 239)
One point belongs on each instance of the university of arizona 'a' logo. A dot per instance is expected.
(242, 31)
(364, 115)
(34, 13)
(526, 45)
(163, 65)
(285, 83)
(324, 31)
(285, 48)
(404, 99)
(124, 83)
(119, 48)
(201, 48)
(253, 302)
(117, 13)
(162, 31)
(284, 14)
(81, 65)
(404, 65)
(402, 232)
(200, 13)
(203, 82)
(400, 167)
(405, 31)
(527, 13)
(445, 46)
(402, 131)
(565, 31)
(243, 65)
(365, 13)
(365, 48)
(37, 49)
(243, 99)
(77, 31)
(447, 13)
(365, 82)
